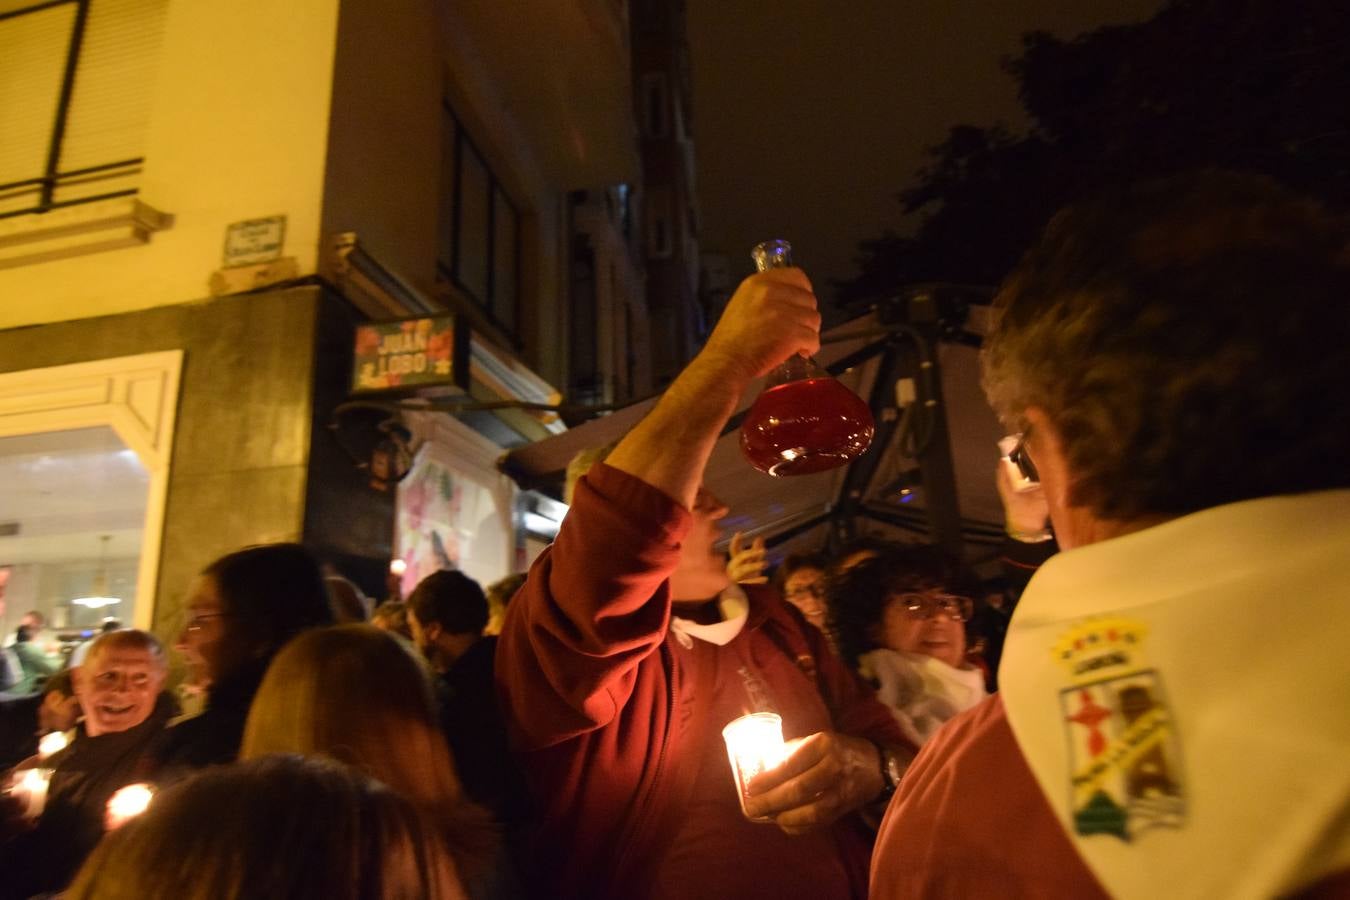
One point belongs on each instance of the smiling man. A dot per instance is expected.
(120, 691)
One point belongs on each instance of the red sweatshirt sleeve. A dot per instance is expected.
(594, 606)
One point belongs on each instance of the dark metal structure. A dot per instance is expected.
(922, 476)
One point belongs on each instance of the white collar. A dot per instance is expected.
(735, 609)
(1182, 696)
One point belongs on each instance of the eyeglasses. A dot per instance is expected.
(809, 591)
(196, 623)
(1020, 458)
(810, 588)
(922, 606)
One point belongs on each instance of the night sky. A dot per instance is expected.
(810, 116)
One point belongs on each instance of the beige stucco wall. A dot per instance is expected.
(238, 131)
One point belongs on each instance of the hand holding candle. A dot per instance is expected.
(823, 777)
(754, 745)
(29, 788)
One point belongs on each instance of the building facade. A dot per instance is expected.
(663, 95)
(199, 207)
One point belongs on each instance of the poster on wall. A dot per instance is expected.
(448, 521)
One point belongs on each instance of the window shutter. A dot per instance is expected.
(108, 115)
(110, 107)
(31, 67)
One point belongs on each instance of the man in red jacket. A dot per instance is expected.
(628, 650)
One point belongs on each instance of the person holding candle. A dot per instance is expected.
(1173, 715)
(27, 718)
(120, 688)
(629, 649)
(302, 828)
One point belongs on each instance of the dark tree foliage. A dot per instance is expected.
(1252, 85)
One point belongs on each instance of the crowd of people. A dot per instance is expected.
(1172, 358)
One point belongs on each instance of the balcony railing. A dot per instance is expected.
(57, 189)
(79, 75)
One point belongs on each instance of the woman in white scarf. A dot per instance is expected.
(900, 619)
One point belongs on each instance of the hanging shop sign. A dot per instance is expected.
(411, 353)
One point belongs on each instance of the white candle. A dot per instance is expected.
(52, 742)
(128, 803)
(754, 745)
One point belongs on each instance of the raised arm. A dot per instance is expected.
(771, 316)
(597, 603)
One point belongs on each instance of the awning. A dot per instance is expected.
(796, 513)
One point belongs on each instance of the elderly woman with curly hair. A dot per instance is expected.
(900, 619)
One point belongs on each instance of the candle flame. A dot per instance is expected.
(31, 788)
(754, 745)
(51, 743)
(35, 780)
(130, 802)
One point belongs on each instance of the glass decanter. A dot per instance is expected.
(804, 420)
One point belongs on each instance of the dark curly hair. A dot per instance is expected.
(800, 559)
(1188, 338)
(858, 596)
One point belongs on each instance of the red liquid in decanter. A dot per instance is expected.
(806, 426)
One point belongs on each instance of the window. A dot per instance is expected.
(660, 235)
(505, 254)
(75, 83)
(655, 106)
(479, 236)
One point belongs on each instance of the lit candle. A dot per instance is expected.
(128, 803)
(51, 743)
(32, 786)
(397, 567)
(754, 745)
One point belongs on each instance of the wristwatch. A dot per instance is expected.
(892, 770)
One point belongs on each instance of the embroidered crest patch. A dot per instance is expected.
(1125, 759)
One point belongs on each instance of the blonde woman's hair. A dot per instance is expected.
(281, 826)
(364, 697)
